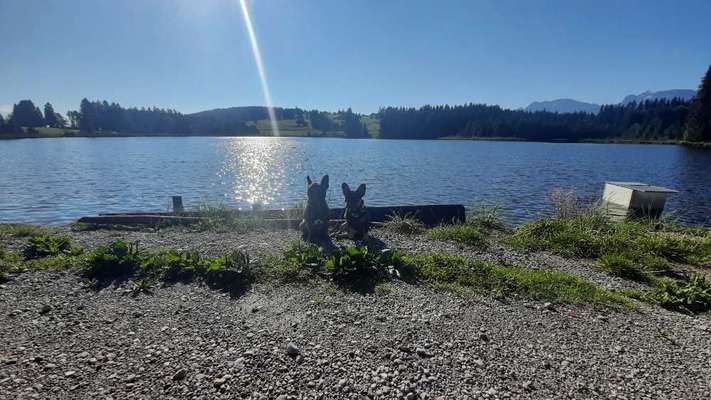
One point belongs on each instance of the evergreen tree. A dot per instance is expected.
(26, 114)
(698, 122)
(87, 116)
(50, 118)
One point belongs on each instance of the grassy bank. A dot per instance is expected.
(668, 263)
(672, 261)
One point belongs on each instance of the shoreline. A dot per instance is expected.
(702, 145)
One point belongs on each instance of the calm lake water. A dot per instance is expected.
(52, 181)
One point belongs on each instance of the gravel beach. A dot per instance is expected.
(62, 340)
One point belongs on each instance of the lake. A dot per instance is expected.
(54, 181)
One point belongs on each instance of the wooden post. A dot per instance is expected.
(178, 204)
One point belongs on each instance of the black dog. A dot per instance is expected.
(356, 215)
(314, 226)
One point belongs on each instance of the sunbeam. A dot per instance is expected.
(260, 67)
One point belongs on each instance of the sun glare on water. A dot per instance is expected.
(260, 67)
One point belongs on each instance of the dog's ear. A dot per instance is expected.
(308, 180)
(361, 190)
(346, 189)
(324, 182)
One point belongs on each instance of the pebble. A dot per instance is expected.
(292, 349)
(180, 375)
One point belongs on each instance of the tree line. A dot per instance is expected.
(673, 119)
(649, 120)
(102, 117)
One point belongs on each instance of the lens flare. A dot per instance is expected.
(260, 67)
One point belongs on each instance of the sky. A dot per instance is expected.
(194, 55)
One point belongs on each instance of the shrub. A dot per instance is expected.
(112, 261)
(44, 246)
(463, 233)
(622, 266)
(405, 224)
(693, 295)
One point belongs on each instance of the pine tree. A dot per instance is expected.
(698, 122)
(24, 113)
(50, 118)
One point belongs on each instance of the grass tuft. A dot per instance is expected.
(20, 230)
(624, 267)
(405, 224)
(465, 233)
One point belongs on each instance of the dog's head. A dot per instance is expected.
(315, 190)
(354, 198)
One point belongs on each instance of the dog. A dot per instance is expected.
(356, 215)
(314, 226)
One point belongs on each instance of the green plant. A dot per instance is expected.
(43, 246)
(230, 272)
(620, 265)
(141, 286)
(465, 233)
(298, 263)
(359, 268)
(352, 266)
(112, 261)
(383, 289)
(172, 266)
(405, 224)
(693, 295)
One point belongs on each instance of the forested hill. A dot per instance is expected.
(672, 119)
(102, 118)
(659, 119)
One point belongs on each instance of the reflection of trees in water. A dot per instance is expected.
(694, 185)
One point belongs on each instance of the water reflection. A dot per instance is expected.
(253, 169)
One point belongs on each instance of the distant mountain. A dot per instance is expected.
(685, 94)
(563, 106)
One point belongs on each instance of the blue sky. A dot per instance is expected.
(193, 55)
